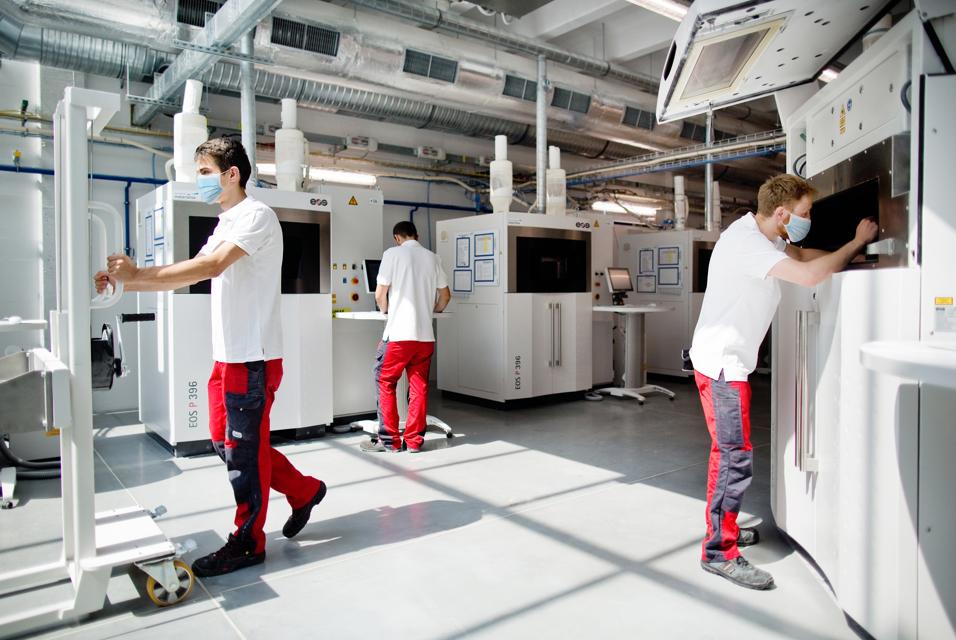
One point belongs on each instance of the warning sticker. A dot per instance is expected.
(353, 202)
(842, 120)
(943, 302)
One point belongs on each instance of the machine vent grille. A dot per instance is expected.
(698, 132)
(518, 87)
(193, 12)
(429, 66)
(306, 37)
(634, 117)
(571, 100)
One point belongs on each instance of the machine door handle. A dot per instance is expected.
(557, 334)
(804, 461)
(551, 311)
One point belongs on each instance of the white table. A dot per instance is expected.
(634, 378)
(432, 423)
(934, 363)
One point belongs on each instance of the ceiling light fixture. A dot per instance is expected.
(667, 8)
(327, 175)
(634, 209)
(828, 75)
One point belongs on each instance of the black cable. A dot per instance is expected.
(796, 161)
(903, 98)
(38, 475)
(938, 47)
(17, 461)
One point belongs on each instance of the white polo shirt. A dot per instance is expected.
(413, 275)
(739, 303)
(246, 316)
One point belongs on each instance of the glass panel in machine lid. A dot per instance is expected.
(720, 63)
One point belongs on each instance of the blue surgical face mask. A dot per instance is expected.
(209, 187)
(797, 227)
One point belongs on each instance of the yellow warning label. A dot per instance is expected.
(52, 433)
(842, 120)
(597, 225)
(944, 302)
(353, 202)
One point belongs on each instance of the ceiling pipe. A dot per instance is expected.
(247, 104)
(98, 56)
(541, 130)
(433, 18)
(709, 177)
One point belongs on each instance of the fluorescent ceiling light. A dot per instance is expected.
(625, 207)
(345, 177)
(828, 75)
(667, 8)
(327, 175)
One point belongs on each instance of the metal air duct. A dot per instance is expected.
(433, 18)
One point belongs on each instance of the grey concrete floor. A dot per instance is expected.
(575, 519)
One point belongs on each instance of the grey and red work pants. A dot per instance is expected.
(391, 359)
(727, 410)
(240, 399)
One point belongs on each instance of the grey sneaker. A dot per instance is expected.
(747, 536)
(740, 572)
(375, 446)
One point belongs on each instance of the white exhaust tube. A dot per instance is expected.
(557, 191)
(681, 206)
(291, 150)
(502, 188)
(189, 131)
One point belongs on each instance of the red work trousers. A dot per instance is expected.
(240, 399)
(727, 410)
(392, 359)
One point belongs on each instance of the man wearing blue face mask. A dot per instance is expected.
(739, 305)
(243, 258)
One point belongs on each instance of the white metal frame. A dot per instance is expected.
(93, 543)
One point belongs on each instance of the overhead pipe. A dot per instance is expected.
(247, 104)
(541, 133)
(102, 57)
(433, 18)
(709, 176)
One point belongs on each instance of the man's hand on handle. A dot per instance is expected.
(121, 267)
(102, 280)
(866, 232)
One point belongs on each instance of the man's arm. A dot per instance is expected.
(444, 296)
(173, 276)
(816, 270)
(381, 297)
(803, 255)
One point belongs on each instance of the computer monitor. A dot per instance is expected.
(619, 283)
(619, 280)
(370, 267)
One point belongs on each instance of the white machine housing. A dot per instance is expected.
(688, 251)
(862, 472)
(503, 344)
(603, 255)
(175, 353)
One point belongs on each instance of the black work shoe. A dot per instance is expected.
(747, 536)
(300, 516)
(233, 556)
(740, 572)
(375, 446)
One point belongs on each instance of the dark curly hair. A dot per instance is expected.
(225, 153)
